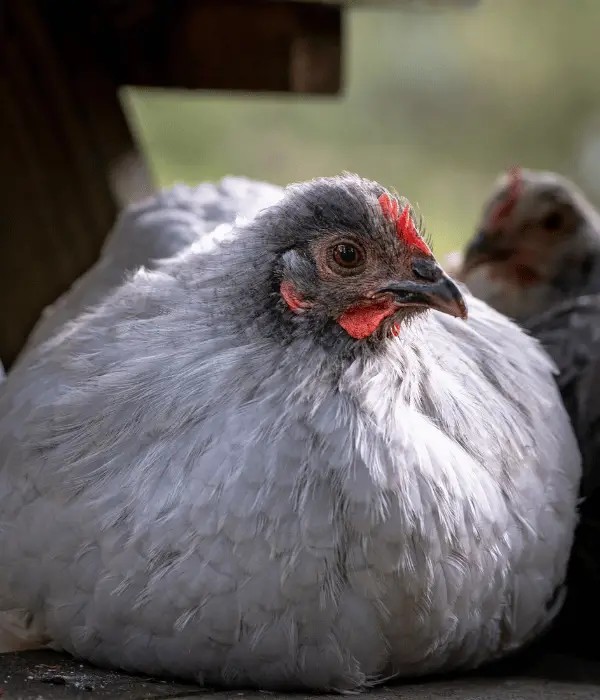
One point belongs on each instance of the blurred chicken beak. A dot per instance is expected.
(431, 288)
(482, 249)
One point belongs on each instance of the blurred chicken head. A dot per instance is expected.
(537, 242)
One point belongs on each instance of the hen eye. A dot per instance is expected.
(552, 221)
(347, 255)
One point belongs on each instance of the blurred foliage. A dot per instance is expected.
(435, 105)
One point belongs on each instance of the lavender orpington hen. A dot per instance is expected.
(288, 461)
(536, 256)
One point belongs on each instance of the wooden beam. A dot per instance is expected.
(233, 45)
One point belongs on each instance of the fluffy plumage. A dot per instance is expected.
(148, 232)
(570, 332)
(199, 479)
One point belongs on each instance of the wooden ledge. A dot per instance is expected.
(233, 45)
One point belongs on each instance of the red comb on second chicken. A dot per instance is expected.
(515, 187)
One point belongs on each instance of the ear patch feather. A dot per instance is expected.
(405, 227)
(291, 297)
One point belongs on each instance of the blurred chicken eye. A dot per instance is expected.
(347, 255)
(552, 221)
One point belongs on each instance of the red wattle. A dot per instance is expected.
(361, 321)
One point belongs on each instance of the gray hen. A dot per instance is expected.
(282, 462)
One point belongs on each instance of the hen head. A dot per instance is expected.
(355, 260)
(534, 226)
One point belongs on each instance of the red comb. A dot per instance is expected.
(505, 207)
(405, 228)
(389, 206)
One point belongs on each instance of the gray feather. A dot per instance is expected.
(570, 332)
(147, 232)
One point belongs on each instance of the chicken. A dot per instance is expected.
(536, 257)
(147, 232)
(288, 460)
(570, 332)
(537, 244)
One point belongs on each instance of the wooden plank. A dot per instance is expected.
(406, 4)
(291, 47)
(247, 45)
(120, 5)
(61, 128)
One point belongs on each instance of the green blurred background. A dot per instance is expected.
(435, 105)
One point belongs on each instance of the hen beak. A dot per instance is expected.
(481, 249)
(431, 288)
